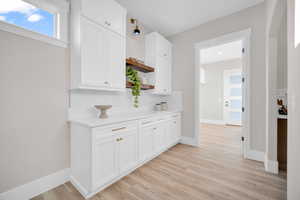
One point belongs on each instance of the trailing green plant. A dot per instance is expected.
(134, 79)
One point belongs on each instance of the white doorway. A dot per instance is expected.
(235, 112)
(233, 97)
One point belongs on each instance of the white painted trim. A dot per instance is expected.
(79, 187)
(188, 141)
(255, 155)
(224, 39)
(271, 166)
(30, 34)
(37, 187)
(211, 121)
(244, 35)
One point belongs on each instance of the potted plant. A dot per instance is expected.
(133, 78)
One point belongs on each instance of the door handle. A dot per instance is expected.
(118, 129)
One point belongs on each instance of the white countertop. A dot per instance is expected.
(95, 122)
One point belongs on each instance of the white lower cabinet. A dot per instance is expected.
(128, 151)
(100, 156)
(146, 142)
(159, 138)
(105, 159)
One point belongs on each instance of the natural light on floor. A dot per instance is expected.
(27, 16)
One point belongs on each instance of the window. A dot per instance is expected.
(34, 20)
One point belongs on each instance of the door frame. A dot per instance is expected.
(245, 36)
(225, 74)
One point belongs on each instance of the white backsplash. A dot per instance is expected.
(82, 102)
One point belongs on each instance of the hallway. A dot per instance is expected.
(214, 171)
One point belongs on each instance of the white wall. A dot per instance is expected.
(282, 54)
(212, 92)
(135, 45)
(276, 77)
(184, 64)
(34, 136)
(294, 105)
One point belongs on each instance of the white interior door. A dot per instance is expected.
(233, 96)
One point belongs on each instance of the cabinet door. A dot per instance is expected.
(169, 133)
(175, 134)
(159, 138)
(162, 76)
(178, 129)
(107, 13)
(117, 66)
(146, 143)
(94, 59)
(128, 150)
(105, 160)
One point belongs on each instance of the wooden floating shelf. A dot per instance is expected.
(143, 87)
(139, 66)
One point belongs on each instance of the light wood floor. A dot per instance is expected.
(215, 171)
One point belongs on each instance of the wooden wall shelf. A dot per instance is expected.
(139, 66)
(143, 87)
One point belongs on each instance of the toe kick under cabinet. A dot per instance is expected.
(102, 155)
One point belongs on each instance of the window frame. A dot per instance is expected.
(59, 9)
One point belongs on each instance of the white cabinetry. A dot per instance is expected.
(102, 155)
(146, 143)
(159, 138)
(107, 13)
(97, 45)
(159, 55)
(173, 132)
(105, 158)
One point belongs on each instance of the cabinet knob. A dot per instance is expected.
(107, 23)
(106, 82)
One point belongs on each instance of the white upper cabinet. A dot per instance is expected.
(98, 45)
(159, 56)
(107, 13)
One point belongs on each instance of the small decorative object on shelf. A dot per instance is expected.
(135, 84)
(103, 109)
(164, 106)
(282, 108)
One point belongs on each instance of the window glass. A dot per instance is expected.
(236, 92)
(236, 79)
(27, 16)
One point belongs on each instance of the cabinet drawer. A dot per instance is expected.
(152, 121)
(114, 129)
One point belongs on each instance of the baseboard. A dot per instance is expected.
(271, 166)
(256, 155)
(37, 187)
(188, 141)
(209, 121)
